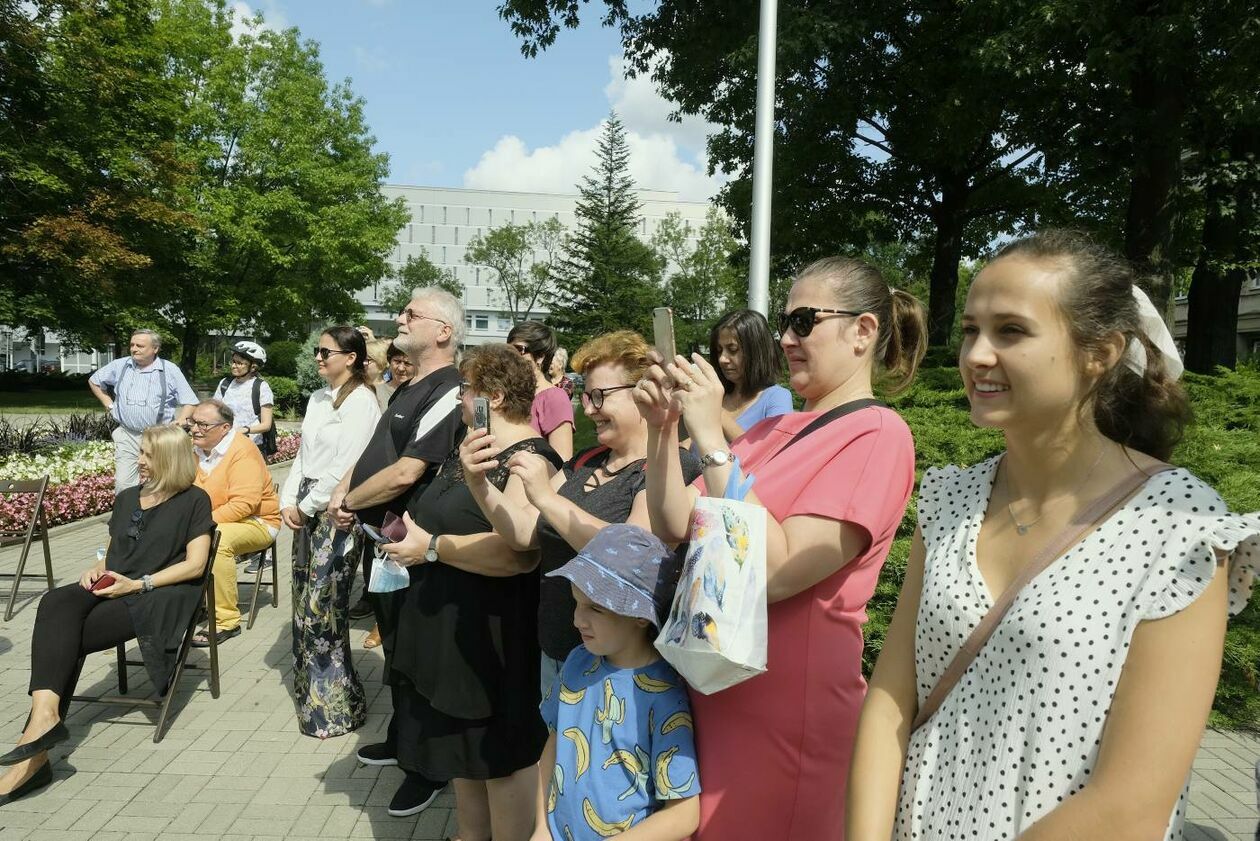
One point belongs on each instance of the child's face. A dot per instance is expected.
(604, 633)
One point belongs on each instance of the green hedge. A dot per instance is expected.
(1222, 447)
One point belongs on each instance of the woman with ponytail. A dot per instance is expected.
(774, 750)
(1104, 576)
(339, 421)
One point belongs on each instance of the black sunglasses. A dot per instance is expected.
(137, 524)
(803, 319)
(323, 353)
(596, 395)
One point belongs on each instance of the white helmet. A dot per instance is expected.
(251, 351)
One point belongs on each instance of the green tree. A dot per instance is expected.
(607, 279)
(419, 271)
(287, 186)
(522, 258)
(700, 281)
(89, 175)
(891, 123)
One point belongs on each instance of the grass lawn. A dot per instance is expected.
(47, 402)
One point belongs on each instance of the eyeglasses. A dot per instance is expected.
(803, 319)
(523, 350)
(465, 387)
(137, 524)
(323, 353)
(411, 315)
(595, 397)
(204, 425)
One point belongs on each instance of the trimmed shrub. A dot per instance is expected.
(285, 391)
(282, 359)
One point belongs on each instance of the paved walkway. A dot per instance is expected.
(236, 767)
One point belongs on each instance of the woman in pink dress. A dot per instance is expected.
(774, 750)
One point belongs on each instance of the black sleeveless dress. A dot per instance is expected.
(465, 654)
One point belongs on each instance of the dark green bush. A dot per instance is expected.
(285, 391)
(282, 359)
(28, 381)
(1221, 447)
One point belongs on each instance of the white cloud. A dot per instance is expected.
(242, 18)
(663, 155)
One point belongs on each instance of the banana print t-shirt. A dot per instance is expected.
(624, 741)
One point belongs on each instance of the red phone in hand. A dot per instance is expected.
(102, 582)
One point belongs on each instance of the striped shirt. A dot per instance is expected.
(140, 403)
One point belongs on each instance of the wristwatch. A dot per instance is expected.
(431, 555)
(717, 458)
(146, 583)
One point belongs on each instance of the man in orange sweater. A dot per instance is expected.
(245, 506)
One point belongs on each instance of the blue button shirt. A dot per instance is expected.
(139, 403)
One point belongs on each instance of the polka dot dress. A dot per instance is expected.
(1020, 732)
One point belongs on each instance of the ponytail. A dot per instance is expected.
(904, 340)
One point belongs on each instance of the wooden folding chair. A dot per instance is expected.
(163, 703)
(259, 583)
(37, 526)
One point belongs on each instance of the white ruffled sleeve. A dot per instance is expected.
(1232, 538)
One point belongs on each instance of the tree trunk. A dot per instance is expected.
(947, 247)
(1211, 328)
(192, 344)
(1212, 323)
(1158, 107)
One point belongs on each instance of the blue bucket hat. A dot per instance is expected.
(627, 570)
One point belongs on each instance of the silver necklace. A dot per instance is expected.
(1022, 528)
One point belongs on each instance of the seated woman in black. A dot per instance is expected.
(466, 654)
(159, 542)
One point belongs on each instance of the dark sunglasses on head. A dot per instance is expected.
(522, 349)
(596, 395)
(803, 319)
(323, 353)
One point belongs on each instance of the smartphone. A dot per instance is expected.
(375, 535)
(101, 583)
(481, 413)
(663, 333)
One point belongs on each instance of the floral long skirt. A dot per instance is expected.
(330, 697)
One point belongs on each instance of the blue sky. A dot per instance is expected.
(452, 100)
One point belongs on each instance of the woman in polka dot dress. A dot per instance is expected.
(1081, 715)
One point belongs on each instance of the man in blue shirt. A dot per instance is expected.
(139, 391)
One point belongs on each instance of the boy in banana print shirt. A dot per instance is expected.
(621, 759)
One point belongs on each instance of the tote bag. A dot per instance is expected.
(715, 635)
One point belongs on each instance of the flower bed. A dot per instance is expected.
(81, 480)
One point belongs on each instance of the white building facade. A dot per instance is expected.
(444, 219)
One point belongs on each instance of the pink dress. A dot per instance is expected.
(774, 750)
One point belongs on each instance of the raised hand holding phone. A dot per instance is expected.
(481, 413)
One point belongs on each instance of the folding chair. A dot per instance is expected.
(164, 703)
(258, 577)
(259, 583)
(37, 527)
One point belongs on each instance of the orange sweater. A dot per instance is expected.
(240, 486)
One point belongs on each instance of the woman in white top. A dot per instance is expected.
(1081, 715)
(338, 423)
(237, 391)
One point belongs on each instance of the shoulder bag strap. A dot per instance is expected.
(587, 456)
(222, 389)
(826, 418)
(162, 394)
(1077, 529)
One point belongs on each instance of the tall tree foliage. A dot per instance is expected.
(419, 271)
(607, 279)
(156, 169)
(701, 280)
(522, 258)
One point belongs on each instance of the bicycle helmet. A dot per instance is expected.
(251, 351)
